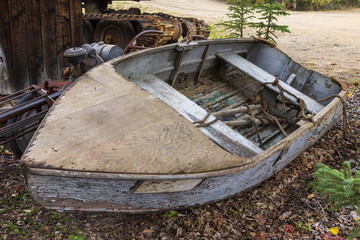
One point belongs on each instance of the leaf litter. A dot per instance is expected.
(283, 207)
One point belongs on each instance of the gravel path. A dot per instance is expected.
(327, 42)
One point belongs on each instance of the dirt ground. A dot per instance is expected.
(327, 42)
(283, 207)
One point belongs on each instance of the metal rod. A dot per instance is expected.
(15, 93)
(17, 136)
(13, 96)
(27, 106)
(5, 131)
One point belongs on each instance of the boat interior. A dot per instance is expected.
(254, 89)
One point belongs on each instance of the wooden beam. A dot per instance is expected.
(220, 133)
(264, 77)
(62, 29)
(233, 111)
(204, 58)
(177, 66)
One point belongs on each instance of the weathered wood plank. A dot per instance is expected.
(264, 77)
(218, 132)
(48, 35)
(19, 46)
(76, 22)
(6, 80)
(34, 42)
(62, 29)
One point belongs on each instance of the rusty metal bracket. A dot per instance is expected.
(270, 44)
(344, 87)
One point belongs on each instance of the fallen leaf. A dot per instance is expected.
(7, 152)
(147, 231)
(310, 196)
(334, 230)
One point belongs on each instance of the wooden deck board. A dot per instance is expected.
(104, 123)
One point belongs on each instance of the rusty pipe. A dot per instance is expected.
(27, 106)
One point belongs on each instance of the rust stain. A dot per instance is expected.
(259, 39)
(341, 83)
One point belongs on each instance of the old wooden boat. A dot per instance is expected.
(177, 126)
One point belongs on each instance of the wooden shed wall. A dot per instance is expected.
(34, 34)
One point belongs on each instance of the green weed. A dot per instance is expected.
(171, 214)
(305, 223)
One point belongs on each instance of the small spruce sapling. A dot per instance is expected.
(241, 14)
(342, 188)
(267, 26)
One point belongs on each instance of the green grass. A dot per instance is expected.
(21, 219)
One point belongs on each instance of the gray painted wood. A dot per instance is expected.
(264, 77)
(291, 79)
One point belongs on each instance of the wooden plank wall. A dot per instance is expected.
(34, 35)
(5, 47)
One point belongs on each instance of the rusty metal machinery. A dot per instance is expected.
(23, 111)
(118, 27)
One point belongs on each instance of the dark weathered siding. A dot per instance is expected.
(34, 35)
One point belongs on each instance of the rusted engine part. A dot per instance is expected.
(105, 51)
(82, 59)
(190, 26)
(23, 111)
(132, 45)
(189, 38)
(74, 56)
(119, 29)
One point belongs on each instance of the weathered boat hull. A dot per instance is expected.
(86, 191)
(89, 190)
